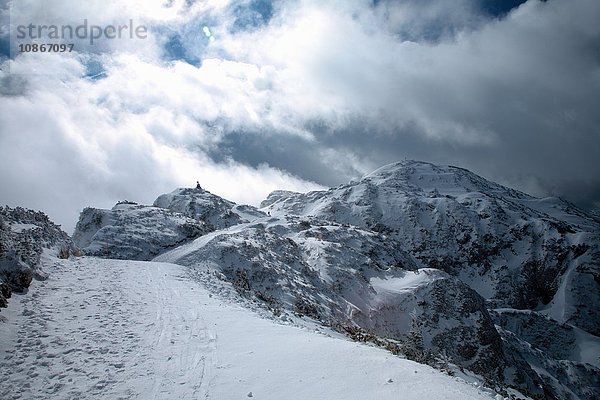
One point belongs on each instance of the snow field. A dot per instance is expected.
(109, 329)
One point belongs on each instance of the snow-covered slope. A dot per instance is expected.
(515, 250)
(110, 329)
(358, 282)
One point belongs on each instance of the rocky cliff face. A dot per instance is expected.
(24, 234)
(564, 357)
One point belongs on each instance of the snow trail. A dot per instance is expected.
(105, 329)
(110, 329)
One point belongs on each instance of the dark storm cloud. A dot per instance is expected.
(513, 98)
(498, 8)
(293, 154)
(434, 20)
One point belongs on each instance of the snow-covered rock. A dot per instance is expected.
(201, 205)
(138, 232)
(302, 265)
(515, 250)
(132, 231)
(566, 358)
(351, 278)
(24, 234)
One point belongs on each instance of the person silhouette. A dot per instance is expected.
(198, 185)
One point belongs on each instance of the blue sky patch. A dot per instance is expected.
(94, 70)
(252, 15)
(177, 48)
(499, 8)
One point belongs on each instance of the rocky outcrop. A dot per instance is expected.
(138, 232)
(212, 210)
(132, 231)
(24, 234)
(5, 293)
(567, 359)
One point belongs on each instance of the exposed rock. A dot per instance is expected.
(132, 231)
(568, 357)
(24, 234)
(557, 340)
(5, 293)
(560, 379)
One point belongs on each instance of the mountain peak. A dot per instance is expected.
(189, 191)
(421, 176)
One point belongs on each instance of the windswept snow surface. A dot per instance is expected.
(110, 329)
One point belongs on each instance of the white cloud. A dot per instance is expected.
(135, 134)
(324, 91)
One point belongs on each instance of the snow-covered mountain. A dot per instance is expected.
(515, 250)
(433, 262)
(201, 205)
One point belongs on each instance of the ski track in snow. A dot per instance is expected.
(107, 329)
(110, 329)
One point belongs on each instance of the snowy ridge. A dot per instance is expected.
(201, 205)
(356, 281)
(433, 262)
(514, 249)
(138, 232)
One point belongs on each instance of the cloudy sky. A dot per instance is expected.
(256, 95)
